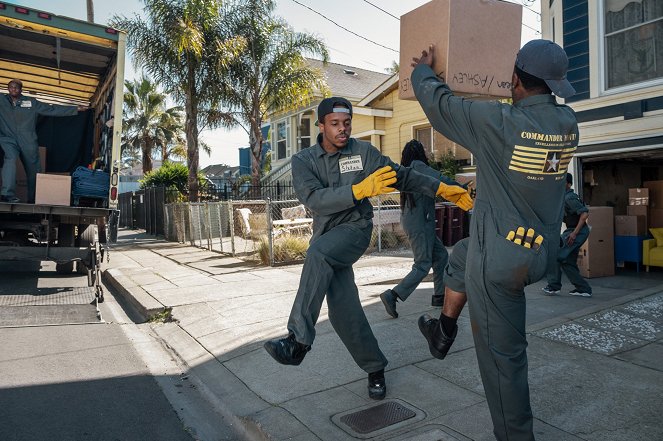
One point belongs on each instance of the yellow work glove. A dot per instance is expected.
(527, 240)
(457, 195)
(376, 183)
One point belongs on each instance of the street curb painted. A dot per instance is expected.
(144, 303)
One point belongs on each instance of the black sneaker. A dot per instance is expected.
(377, 387)
(580, 293)
(437, 300)
(389, 300)
(548, 291)
(10, 199)
(287, 350)
(439, 342)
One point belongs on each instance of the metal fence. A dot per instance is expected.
(267, 231)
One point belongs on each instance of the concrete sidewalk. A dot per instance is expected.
(595, 364)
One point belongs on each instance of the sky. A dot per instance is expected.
(372, 20)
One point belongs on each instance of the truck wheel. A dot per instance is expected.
(85, 239)
(65, 239)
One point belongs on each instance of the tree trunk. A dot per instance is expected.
(255, 142)
(90, 11)
(147, 157)
(191, 130)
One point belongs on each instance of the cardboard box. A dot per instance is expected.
(475, 41)
(53, 189)
(597, 254)
(588, 177)
(655, 218)
(630, 225)
(21, 178)
(655, 193)
(639, 210)
(638, 196)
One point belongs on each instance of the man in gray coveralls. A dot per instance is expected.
(334, 179)
(18, 136)
(522, 152)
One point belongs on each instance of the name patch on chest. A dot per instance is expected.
(350, 164)
(26, 103)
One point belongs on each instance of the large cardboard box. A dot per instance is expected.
(597, 254)
(21, 178)
(655, 193)
(630, 225)
(638, 196)
(476, 43)
(639, 210)
(53, 189)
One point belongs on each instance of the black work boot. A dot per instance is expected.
(437, 300)
(439, 342)
(287, 350)
(377, 387)
(389, 300)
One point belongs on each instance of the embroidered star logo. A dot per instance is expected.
(552, 164)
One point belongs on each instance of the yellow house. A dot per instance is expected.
(380, 117)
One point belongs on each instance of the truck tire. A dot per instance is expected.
(65, 239)
(85, 239)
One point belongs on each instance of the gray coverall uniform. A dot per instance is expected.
(419, 225)
(342, 230)
(18, 138)
(522, 152)
(567, 259)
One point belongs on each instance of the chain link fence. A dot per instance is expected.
(267, 231)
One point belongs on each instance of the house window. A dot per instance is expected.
(282, 143)
(425, 136)
(305, 133)
(633, 41)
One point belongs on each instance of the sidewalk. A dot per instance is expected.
(595, 364)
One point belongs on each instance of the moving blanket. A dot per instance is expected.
(92, 183)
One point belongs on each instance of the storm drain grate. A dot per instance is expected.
(378, 417)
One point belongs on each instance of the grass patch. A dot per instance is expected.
(286, 249)
(165, 316)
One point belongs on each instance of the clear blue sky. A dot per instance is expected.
(358, 16)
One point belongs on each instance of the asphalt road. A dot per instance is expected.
(70, 372)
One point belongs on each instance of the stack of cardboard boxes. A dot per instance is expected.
(631, 229)
(596, 258)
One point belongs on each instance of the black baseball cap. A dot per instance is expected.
(546, 60)
(333, 104)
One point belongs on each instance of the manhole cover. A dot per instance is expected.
(377, 417)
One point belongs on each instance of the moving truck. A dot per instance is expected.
(62, 60)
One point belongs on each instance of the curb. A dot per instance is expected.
(144, 303)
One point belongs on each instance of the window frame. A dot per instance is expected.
(603, 57)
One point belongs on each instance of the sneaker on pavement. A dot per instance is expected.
(287, 350)
(548, 291)
(580, 293)
(377, 387)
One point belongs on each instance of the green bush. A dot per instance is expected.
(170, 175)
(447, 164)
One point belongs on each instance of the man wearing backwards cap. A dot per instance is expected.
(522, 152)
(18, 136)
(334, 179)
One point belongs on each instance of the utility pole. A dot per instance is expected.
(90, 11)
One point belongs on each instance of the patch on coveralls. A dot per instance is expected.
(350, 164)
(373, 420)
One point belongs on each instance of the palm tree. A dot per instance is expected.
(272, 73)
(181, 45)
(148, 124)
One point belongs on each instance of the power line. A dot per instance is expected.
(344, 28)
(535, 30)
(377, 7)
